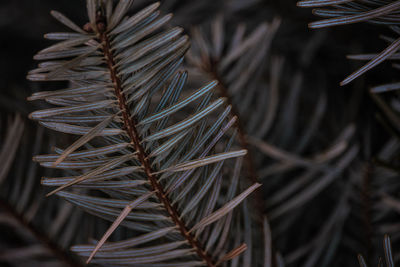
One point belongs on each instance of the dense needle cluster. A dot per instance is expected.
(163, 176)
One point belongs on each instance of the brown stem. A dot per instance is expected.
(251, 170)
(130, 125)
(45, 240)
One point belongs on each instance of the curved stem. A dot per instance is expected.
(251, 170)
(130, 125)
